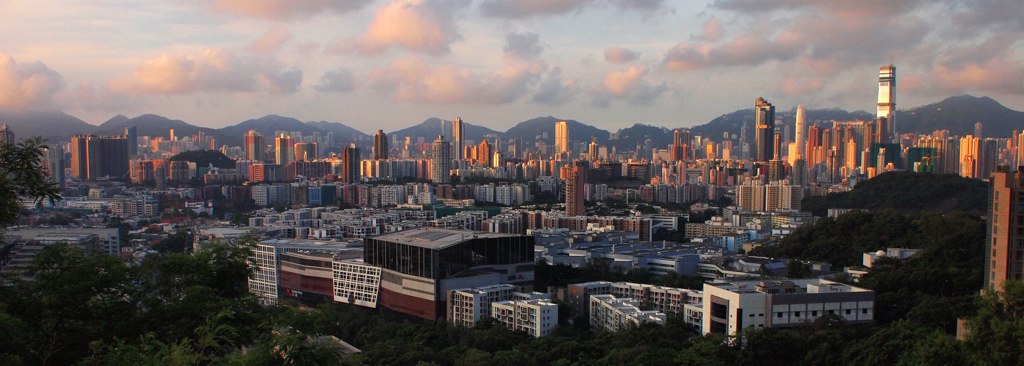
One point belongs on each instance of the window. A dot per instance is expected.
(863, 311)
(778, 315)
(814, 313)
(847, 311)
(796, 314)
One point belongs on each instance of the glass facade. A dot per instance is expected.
(449, 261)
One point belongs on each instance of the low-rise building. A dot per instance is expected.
(610, 313)
(536, 317)
(730, 307)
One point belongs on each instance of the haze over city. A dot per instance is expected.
(390, 64)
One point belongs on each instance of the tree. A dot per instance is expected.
(22, 175)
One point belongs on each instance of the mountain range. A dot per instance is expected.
(956, 114)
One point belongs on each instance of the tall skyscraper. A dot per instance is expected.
(132, 134)
(306, 151)
(55, 164)
(764, 124)
(593, 150)
(574, 191)
(255, 146)
(1004, 241)
(6, 135)
(441, 160)
(458, 137)
(380, 145)
(887, 97)
(977, 130)
(483, 153)
(1020, 151)
(284, 149)
(680, 145)
(801, 133)
(94, 157)
(350, 164)
(561, 137)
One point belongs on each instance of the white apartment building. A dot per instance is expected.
(730, 307)
(611, 314)
(536, 317)
(467, 306)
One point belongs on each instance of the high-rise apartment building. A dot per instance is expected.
(483, 153)
(441, 160)
(801, 133)
(680, 145)
(306, 151)
(574, 191)
(380, 145)
(255, 146)
(561, 137)
(6, 135)
(458, 144)
(764, 135)
(94, 156)
(350, 164)
(887, 97)
(284, 149)
(132, 134)
(1004, 243)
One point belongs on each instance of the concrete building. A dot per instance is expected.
(611, 314)
(1004, 257)
(303, 270)
(355, 282)
(536, 317)
(419, 266)
(731, 307)
(467, 306)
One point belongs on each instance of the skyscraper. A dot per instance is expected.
(801, 133)
(255, 146)
(93, 157)
(483, 153)
(1004, 252)
(6, 135)
(284, 149)
(350, 164)
(306, 151)
(561, 137)
(764, 134)
(132, 134)
(380, 145)
(574, 191)
(441, 160)
(458, 136)
(887, 97)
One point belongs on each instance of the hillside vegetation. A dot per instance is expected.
(908, 192)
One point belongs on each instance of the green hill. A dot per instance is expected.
(907, 191)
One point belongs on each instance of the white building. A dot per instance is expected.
(467, 306)
(536, 317)
(730, 307)
(355, 282)
(900, 254)
(611, 314)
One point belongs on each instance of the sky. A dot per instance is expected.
(389, 64)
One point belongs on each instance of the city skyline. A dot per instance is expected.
(665, 63)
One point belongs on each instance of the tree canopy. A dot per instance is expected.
(22, 175)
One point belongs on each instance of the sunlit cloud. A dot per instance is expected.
(213, 69)
(29, 85)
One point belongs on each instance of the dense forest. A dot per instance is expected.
(908, 192)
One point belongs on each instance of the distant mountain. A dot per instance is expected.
(266, 126)
(52, 125)
(431, 127)
(152, 125)
(342, 132)
(578, 131)
(630, 137)
(958, 115)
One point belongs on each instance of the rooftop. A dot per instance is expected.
(436, 238)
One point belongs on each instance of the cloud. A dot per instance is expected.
(620, 55)
(416, 25)
(555, 90)
(271, 41)
(27, 85)
(524, 46)
(1001, 75)
(520, 9)
(285, 9)
(745, 50)
(711, 31)
(213, 69)
(628, 84)
(413, 80)
(340, 80)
